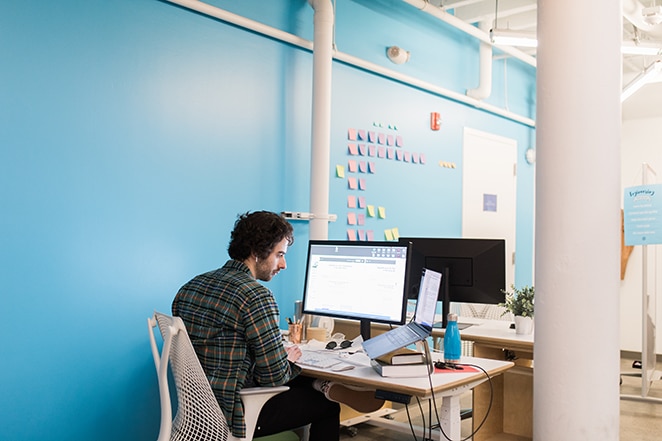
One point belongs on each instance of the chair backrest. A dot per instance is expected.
(199, 415)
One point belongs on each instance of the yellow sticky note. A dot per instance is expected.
(340, 171)
(382, 212)
(371, 210)
(388, 234)
(396, 233)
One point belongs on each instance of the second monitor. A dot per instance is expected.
(474, 270)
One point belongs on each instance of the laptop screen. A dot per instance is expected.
(426, 305)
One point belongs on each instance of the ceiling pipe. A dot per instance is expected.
(323, 21)
(633, 12)
(473, 31)
(251, 25)
(484, 88)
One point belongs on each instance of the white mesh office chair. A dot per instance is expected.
(199, 415)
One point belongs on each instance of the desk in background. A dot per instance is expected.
(511, 416)
(446, 387)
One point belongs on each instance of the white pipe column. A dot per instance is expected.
(577, 339)
(321, 118)
(484, 89)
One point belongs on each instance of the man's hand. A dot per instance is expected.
(293, 353)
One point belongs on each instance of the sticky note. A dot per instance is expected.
(351, 218)
(362, 149)
(370, 235)
(398, 141)
(351, 234)
(388, 234)
(361, 234)
(351, 134)
(352, 183)
(361, 201)
(362, 185)
(351, 201)
(421, 159)
(390, 153)
(396, 233)
(390, 140)
(381, 138)
(360, 218)
(371, 167)
(363, 167)
(340, 171)
(407, 156)
(382, 212)
(371, 210)
(361, 135)
(371, 150)
(352, 149)
(414, 158)
(399, 154)
(381, 152)
(372, 137)
(352, 166)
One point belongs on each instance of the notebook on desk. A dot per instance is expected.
(418, 329)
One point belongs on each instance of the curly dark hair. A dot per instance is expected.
(258, 233)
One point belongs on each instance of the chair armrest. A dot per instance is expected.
(274, 390)
(253, 399)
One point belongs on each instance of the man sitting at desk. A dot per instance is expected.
(232, 320)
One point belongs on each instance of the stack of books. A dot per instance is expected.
(402, 363)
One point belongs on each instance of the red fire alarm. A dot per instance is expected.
(435, 121)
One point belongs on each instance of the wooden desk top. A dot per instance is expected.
(443, 384)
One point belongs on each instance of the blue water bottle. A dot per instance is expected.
(452, 343)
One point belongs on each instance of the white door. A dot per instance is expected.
(489, 191)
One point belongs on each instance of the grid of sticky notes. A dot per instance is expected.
(364, 151)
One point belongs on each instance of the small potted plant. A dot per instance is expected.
(519, 302)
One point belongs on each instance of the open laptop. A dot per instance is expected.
(418, 329)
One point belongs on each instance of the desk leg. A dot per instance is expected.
(450, 417)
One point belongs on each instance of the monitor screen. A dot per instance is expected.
(366, 281)
(474, 270)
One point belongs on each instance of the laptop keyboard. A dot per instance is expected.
(402, 335)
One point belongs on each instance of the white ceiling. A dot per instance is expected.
(521, 15)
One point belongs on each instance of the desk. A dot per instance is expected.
(446, 387)
(511, 416)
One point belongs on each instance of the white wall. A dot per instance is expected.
(640, 142)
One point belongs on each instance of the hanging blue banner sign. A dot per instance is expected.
(642, 215)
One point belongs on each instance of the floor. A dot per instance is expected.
(640, 421)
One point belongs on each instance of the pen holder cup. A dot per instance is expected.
(296, 331)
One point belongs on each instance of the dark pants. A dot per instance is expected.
(297, 407)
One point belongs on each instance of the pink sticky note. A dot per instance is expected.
(351, 201)
(361, 201)
(362, 149)
(361, 219)
(352, 149)
(352, 166)
(370, 235)
(381, 152)
(362, 184)
(351, 234)
(414, 157)
(398, 155)
(407, 156)
(372, 137)
(351, 134)
(361, 234)
(381, 138)
(352, 183)
(371, 150)
(363, 167)
(390, 154)
(371, 167)
(422, 158)
(398, 141)
(389, 140)
(361, 135)
(351, 218)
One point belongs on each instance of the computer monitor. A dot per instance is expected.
(474, 270)
(365, 281)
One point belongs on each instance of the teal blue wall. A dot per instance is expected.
(132, 132)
